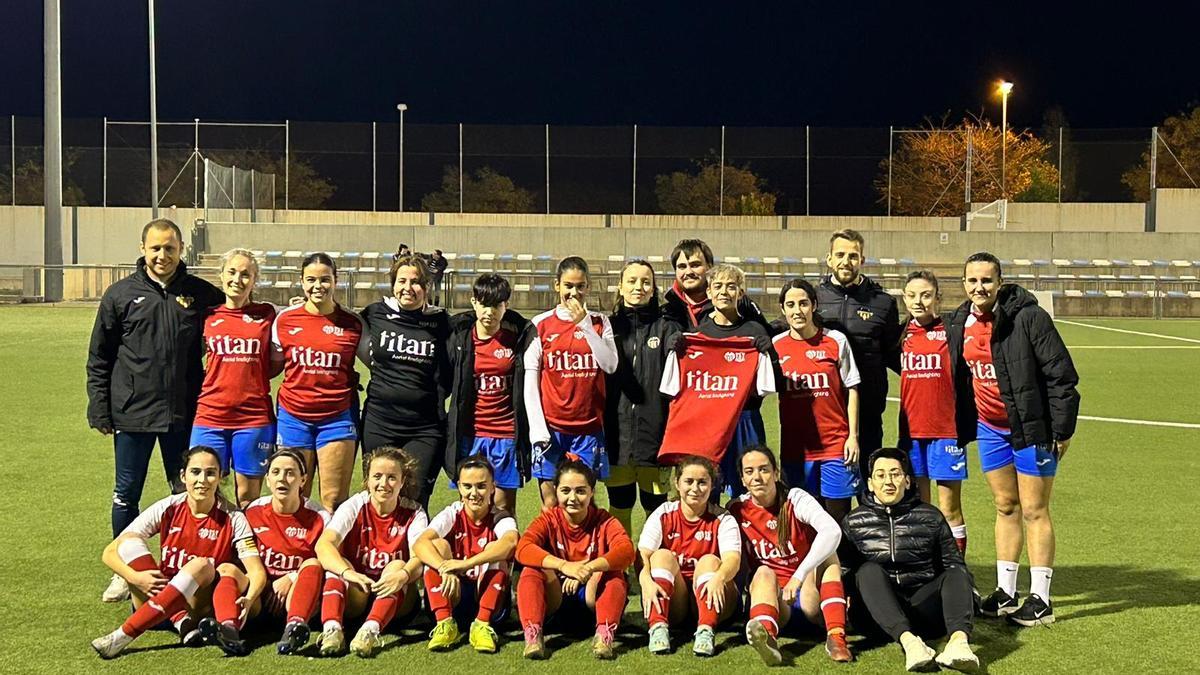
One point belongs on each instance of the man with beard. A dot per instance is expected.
(686, 302)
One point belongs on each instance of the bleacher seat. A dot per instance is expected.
(1073, 293)
(1061, 262)
(1112, 293)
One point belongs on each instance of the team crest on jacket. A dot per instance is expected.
(652, 342)
(864, 313)
(184, 301)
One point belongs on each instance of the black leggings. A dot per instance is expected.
(940, 607)
(426, 445)
(625, 496)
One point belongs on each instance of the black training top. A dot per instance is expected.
(410, 371)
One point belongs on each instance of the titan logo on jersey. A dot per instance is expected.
(816, 384)
(704, 381)
(493, 384)
(767, 550)
(557, 359)
(280, 563)
(227, 345)
(314, 358)
(981, 370)
(920, 362)
(374, 559)
(398, 343)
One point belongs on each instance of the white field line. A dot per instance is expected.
(1128, 332)
(1121, 420)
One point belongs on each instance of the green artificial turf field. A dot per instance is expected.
(1126, 508)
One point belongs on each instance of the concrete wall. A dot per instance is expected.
(1073, 217)
(1177, 210)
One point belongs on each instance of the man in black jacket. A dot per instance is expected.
(144, 369)
(854, 304)
(1015, 387)
(907, 568)
(686, 302)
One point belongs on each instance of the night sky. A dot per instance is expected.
(575, 62)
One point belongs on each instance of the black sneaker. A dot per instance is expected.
(189, 632)
(999, 603)
(295, 637)
(224, 636)
(1034, 612)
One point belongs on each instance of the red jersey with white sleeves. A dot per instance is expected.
(220, 535)
(565, 366)
(714, 533)
(977, 352)
(600, 535)
(285, 540)
(813, 534)
(236, 393)
(318, 372)
(710, 385)
(371, 541)
(926, 386)
(467, 537)
(817, 374)
(495, 363)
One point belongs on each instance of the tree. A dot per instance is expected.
(699, 193)
(928, 171)
(1178, 157)
(30, 180)
(306, 189)
(487, 191)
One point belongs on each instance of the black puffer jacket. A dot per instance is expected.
(635, 412)
(689, 317)
(460, 421)
(867, 315)
(910, 540)
(1033, 368)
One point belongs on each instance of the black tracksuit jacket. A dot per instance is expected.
(635, 412)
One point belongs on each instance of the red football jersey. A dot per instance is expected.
(318, 372)
(236, 393)
(710, 385)
(285, 540)
(551, 532)
(817, 374)
(467, 537)
(220, 536)
(760, 536)
(495, 362)
(569, 373)
(715, 533)
(977, 352)
(926, 387)
(371, 541)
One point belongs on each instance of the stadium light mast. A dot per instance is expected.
(52, 155)
(401, 107)
(1005, 89)
(153, 120)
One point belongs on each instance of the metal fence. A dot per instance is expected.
(540, 168)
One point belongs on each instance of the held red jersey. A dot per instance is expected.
(570, 379)
(467, 537)
(285, 540)
(926, 387)
(495, 363)
(760, 532)
(710, 384)
(236, 393)
(318, 372)
(977, 352)
(220, 535)
(371, 541)
(714, 533)
(817, 374)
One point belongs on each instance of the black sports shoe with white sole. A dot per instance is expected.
(295, 637)
(1034, 612)
(999, 603)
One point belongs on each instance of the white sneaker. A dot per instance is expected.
(762, 642)
(918, 656)
(117, 591)
(366, 642)
(109, 646)
(957, 655)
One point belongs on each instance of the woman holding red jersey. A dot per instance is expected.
(318, 403)
(234, 415)
(691, 552)
(286, 527)
(565, 384)
(818, 403)
(589, 575)
(468, 551)
(927, 420)
(200, 536)
(366, 551)
(790, 546)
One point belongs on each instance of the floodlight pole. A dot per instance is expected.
(52, 160)
(196, 163)
(1005, 88)
(153, 120)
(400, 172)
(721, 195)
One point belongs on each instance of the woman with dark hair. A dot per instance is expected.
(790, 546)
(574, 556)
(406, 339)
(818, 402)
(200, 535)
(487, 409)
(565, 384)
(318, 400)
(635, 411)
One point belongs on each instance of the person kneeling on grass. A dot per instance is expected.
(200, 534)
(691, 553)
(908, 568)
(589, 575)
(375, 529)
(468, 551)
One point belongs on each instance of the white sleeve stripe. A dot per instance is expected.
(148, 522)
(669, 384)
(343, 519)
(651, 538)
(729, 539)
(420, 523)
(504, 526)
(846, 365)
(443, 522)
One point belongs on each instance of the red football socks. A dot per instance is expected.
(305, 594)
(833, 605)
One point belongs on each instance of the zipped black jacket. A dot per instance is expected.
(635, 412)
(910, 540)
(867, 315)
(1035, 372)
(144, 366)
(689, 317)
(461, 417)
